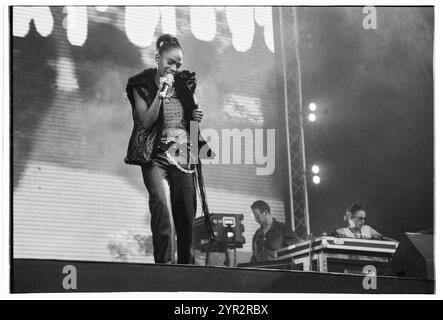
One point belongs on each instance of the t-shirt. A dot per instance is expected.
(279, 235)
(366, 232)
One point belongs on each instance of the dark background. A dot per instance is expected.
(373, 138)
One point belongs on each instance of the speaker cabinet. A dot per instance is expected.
(414, 257)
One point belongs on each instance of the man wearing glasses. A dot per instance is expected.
(357, 229)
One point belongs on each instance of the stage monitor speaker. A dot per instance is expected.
(414, 257)
(228, 230)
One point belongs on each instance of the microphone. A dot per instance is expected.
(165, 87)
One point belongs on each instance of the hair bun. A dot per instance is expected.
(165, 40)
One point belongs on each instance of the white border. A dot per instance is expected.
(4, 281)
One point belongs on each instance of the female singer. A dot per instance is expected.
(162, 108)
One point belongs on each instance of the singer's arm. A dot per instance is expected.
(148, 116)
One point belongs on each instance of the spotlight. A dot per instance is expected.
(315, 169)
(312, 117)
(101, 8)
(316, 179)
(312, 106)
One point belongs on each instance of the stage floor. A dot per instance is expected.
(46, 276)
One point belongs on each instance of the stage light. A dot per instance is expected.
(101, 8)
(22, 17)
(316, 179)
(168, 21)
(140, 25)
(315, 169)
(312, 117)
(263, 17)
(242, 26)
(312, 107)
(203, 23)
(77, 25)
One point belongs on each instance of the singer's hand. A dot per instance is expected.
(197, 115)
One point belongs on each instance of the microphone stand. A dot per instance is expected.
(311, 243)
(199, 178)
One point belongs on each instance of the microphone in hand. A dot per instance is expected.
(166, 82)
